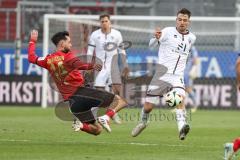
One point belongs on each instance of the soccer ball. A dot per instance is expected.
(173, 99)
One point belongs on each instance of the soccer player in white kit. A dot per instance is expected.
(174, 47)
(100, 40)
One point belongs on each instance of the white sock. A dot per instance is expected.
(181, 118)
(144, 116)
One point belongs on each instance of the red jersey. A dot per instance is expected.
(236, 144)
(63, 68)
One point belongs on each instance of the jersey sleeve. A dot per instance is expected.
(153, 43)
(73, 62)
(91, 45)
(194, 39)
(164, 35)
(33, 58)
(156, 42)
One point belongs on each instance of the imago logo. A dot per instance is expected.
(111, 46)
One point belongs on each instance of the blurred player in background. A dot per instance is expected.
(230, 149)
(174, 47)
(190, 74)
(110, 73)
(64, 66)
(238, 72)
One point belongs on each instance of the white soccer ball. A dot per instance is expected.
(173, 99)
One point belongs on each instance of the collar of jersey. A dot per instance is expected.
(183, 33)
(105, 33)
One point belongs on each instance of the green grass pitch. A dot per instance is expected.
(32, 133)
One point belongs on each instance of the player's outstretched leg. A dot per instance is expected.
(144, 119)
(231, 149)
(77, 125)
(184, 131)
(183, 127)
(104, 121)
(138, 129)
(92, 128)
(116, 90)
(142, 124)
(228, 151)
(117, 103)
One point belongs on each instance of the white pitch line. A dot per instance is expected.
(116, 143)
(14, 140)
(154, 144)
(131, 143)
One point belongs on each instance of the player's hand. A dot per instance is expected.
(34, 35)
(89, 72)
(158, 33)
(97, 67)
(125, 72)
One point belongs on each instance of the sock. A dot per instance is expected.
(181, 118)
(144, 116)
(110, 113)
(236, 144)
(86, 128)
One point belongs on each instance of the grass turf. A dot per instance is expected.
(31, 133)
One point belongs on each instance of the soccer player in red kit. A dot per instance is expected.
(231, 149)
(64, 66)
(236, 144)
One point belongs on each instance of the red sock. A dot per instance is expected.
(236, 144)
(110, 113)
(86, 128)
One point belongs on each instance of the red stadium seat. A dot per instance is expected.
(3, 26)
(12, 21)
(9, 3)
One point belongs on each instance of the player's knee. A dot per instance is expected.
(148, 107)
(97, 132)
(150, 101)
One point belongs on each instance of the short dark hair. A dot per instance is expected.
(184, 11)
(104, 15)
(56, 38)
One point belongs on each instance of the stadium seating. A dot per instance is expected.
(8, 22)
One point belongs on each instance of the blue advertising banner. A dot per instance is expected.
(218, 64)
(7, 62)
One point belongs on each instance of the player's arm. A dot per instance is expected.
(32, 57)
(238, 72)
(76, 63)
(91, 48)
(155, 41)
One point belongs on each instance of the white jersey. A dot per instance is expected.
(98, 40)
(174, 49)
